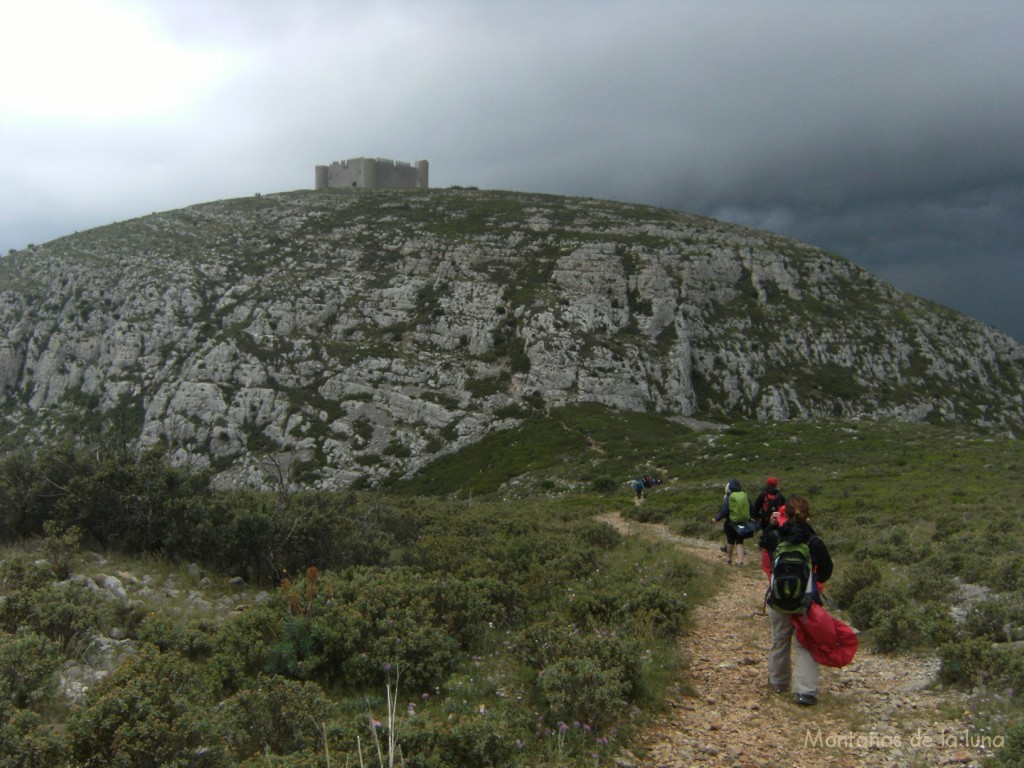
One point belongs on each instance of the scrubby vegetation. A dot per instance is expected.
(509, 630)
(478, 615)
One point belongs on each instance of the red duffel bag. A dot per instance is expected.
(830, 641)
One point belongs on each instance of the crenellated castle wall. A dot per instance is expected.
(372, 173)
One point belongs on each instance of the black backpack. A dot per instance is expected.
(792, 587)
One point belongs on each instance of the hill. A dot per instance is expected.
(325, 339)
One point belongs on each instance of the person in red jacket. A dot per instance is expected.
(781, 671)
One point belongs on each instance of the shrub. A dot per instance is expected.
(656, 609)
(932, 578)
(282, 716)
(995, 619)
(577, 688)
(964, 663)
(1010, 756)
(598, 534)
(911, 625)
(1009, 573)
(59, 612)
(475, 738)
(193, 640)
(27, 741)
(855, 577)
(61, 547)
(27, 663)
(155, 709)
(873, 601)
(604, 484)
(587, 676)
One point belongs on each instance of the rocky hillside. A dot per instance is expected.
(321, 338)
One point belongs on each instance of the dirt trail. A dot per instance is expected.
(881, 710)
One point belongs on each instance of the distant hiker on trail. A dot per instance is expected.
(638, 486)
(735, 511)
(800, 564)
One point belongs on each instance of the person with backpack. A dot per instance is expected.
(800, 564)
(767, 502)
(735, 511)
(770, 511)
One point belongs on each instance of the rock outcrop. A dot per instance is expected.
(320, 338)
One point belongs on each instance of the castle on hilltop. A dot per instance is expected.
(372, 173)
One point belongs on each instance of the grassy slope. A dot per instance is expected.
(924, 503)
(914, 499)
(929, 509)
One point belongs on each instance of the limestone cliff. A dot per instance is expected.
(322, 337)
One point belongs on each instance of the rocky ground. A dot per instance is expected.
(881, 710)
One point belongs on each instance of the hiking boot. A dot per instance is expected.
(806, 699)
(777, 687)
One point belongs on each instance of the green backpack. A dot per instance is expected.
(739, 507)
(792, 585)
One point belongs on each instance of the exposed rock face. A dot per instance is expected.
(321, 337)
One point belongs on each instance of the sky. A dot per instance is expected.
(890, 133)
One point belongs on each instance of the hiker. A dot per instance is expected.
(768, 501)
(735, 511)
(797, 539)
(770, 512)
(637, 485)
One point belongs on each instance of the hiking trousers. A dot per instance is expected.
(782, 673)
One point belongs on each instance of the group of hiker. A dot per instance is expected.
(797, 563)
(641, 484)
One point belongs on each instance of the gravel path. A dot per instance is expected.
(881, 710)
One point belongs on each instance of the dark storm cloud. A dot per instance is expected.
(886, 132)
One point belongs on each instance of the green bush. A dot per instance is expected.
(657, 610)
(27, 663)
(294, 654)
(28, 741)
(871, 602)
(854, 578)
(604, 484)
(998, 619)
(60, 612)
(601, 535)
(932, 579)
(155, 709)
(1008, 573)
(964, 662)
(577, 688)
(976, 661)
(911, 625)
(276, 715)
(485, 738)
(1012, 753)
(585, 676)
(194, 639)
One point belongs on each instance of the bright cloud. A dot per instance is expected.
(91, 61)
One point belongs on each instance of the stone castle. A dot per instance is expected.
(372, 173)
